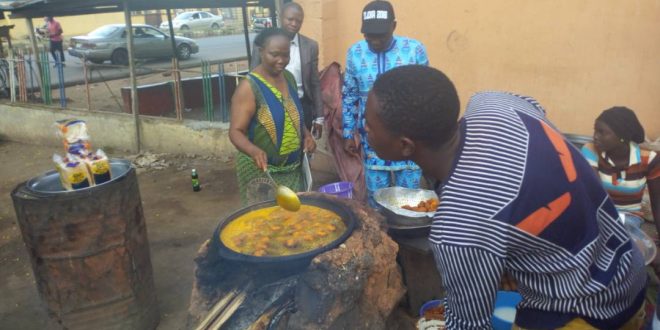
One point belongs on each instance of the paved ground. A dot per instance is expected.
(210, 48)
(178, 221)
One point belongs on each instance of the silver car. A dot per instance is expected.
(195, 20)
(109, 43)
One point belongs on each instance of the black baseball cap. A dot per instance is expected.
(377, 17)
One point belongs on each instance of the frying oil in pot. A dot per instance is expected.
(274, 231)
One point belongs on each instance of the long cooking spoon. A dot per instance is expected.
(285, 197)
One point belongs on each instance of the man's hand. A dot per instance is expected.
(350, 147)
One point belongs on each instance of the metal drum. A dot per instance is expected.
(89, 251)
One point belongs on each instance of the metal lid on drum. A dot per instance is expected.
(49, 182)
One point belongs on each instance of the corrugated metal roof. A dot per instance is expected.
(9, 5)
(40, 8)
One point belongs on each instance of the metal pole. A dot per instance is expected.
(221, 85)
(60, 78)
(247, 33)
(175, 69)
(169, 24)
(12, 81)
(273, 13)
(35, 52)
(22, 77)
(131, 70)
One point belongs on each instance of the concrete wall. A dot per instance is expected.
(116, 130)
(576, 57)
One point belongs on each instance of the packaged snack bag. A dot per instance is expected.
(73, 172)
(72, 130)
(99, 167)
(74, 136)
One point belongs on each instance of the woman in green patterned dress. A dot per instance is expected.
(267, 124)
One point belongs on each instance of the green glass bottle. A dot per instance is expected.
(195, 181)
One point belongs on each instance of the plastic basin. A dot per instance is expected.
(340, 189)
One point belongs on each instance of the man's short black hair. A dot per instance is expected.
(291, 5)
(262, 38)
(418, 102)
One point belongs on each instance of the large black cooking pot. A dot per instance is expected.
(292, 262)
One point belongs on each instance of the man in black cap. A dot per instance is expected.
(380, 51)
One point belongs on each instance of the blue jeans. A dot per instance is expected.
(377, 179)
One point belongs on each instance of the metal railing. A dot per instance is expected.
(25, 78)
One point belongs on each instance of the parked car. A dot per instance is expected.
(195, 20)
(109, 43)
(260, 23)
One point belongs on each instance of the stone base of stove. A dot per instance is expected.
(355, 286)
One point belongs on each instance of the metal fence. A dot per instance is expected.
(196, 91)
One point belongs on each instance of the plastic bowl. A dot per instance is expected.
(429, 304)
(340, 189)
(504, 313)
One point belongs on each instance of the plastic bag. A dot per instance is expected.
(74, 136)
(73, 172)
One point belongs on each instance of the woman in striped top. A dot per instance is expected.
(516, 199)
(624, 168)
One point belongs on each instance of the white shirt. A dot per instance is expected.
(295, 64)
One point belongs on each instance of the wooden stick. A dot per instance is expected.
(179, 88)
(89, 99)
(177, 91)
(224, 308)
(217, 308)
(229, 311)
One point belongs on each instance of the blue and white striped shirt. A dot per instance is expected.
(520, 198)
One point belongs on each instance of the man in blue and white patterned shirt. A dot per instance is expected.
(366, 60)
(515, 197)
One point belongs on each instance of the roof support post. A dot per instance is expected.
(246, 32)
(131, 70)
(171, 27)
(274, 10)
(35, 53)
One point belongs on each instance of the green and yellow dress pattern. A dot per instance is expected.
(276, 128)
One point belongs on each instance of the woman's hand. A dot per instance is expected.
(309, 145)
(260, 158)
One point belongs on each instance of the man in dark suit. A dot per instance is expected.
(303, 65)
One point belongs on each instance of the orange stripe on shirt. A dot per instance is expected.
(564, 153)
(536, 222)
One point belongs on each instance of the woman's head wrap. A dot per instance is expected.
(624, 123)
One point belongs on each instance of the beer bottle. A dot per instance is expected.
(195, 180)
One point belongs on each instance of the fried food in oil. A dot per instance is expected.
(435, 313)
(275, 232)
(429, 205)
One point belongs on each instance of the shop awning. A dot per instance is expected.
(58, 8)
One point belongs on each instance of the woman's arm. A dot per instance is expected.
(243, 108)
